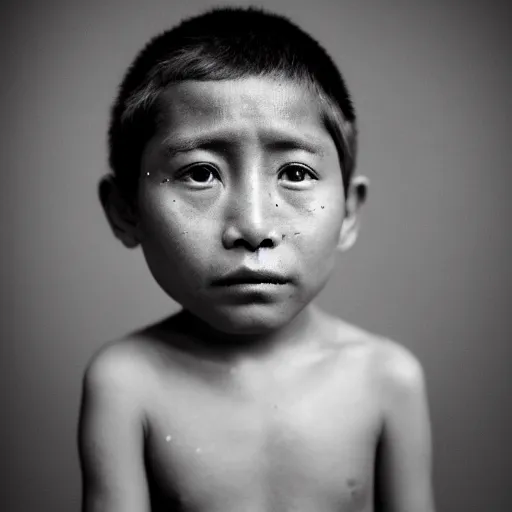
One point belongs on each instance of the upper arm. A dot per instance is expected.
(111, 436)
(404, 465)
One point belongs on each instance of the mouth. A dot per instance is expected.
(250, 277)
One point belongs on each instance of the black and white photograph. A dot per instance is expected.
(256, 256)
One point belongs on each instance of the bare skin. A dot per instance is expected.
(188, 427)
(252, 400)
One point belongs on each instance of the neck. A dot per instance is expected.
(302, 331)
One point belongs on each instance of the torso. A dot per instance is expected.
(231, 438)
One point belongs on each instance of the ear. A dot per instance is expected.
(356, 197)
(120, 214)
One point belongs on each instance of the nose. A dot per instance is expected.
(250, 222)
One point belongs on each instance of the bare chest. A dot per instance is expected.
(313, 448)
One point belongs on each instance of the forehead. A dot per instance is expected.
(248, 104)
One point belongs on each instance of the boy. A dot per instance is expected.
(233, 143)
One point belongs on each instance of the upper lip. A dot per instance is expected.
(245, 275)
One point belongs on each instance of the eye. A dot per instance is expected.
(297, 173)
(200, 174)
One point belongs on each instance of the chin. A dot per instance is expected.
(246, 328)
(254, 320)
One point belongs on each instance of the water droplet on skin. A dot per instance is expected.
(198, 450)
(168, 438)
(165, 180)
(147, 174)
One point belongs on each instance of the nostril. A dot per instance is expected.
(242, 243)
(265, 244)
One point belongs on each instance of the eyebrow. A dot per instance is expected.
(222, 143)
(292, 143)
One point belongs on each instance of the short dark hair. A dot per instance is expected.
(221, 44)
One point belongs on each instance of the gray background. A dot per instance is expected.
(432, 83)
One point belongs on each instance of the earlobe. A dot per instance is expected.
(120, 215)
(356, 197)
(348, 233)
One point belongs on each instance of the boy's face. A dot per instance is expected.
(241, 176)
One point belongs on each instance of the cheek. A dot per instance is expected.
(321, 220)
(175, 234)
(318, 236)
(318, 247)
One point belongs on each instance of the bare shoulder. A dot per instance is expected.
(397, 373)
(133, 365)
(122, 366)
(392, 364)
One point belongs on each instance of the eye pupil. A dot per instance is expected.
(298, 174)
(295, 173)
(201, 173)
